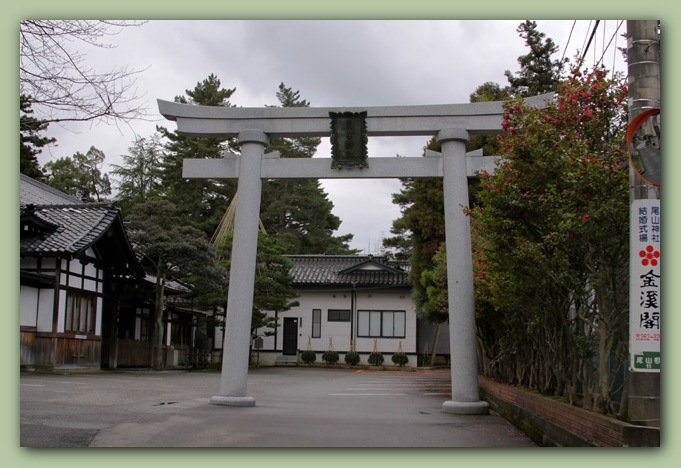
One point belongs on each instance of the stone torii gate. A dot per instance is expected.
(450, 124)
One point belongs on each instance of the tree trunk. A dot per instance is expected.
(157, 336)
(436, 342)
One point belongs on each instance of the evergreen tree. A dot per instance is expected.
(422, 218)
(298, 211)
(175, 251)
(487, 92)
(273, 290)
(422, 212)
(202, 201)
(399, 245)
(538, 73)
(30, 142)
(80, 175)
(139, 175)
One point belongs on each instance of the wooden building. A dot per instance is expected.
(85, 298)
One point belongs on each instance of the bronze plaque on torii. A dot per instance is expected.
(349, 140)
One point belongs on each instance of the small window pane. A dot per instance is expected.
(316, 323)
(375, 324)
(338, 315)
(399, 324)
(388, 324)
(363, 323)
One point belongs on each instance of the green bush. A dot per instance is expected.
(330, 357)
(376, 359)
(308, 357)
(400, 359)
(352, 358)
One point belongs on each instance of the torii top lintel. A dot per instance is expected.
(228, 122)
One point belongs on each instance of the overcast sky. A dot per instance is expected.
(332, 63)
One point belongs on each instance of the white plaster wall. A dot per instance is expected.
(340, 332)
(63, 279)
(62, 312)
(28, 305)
(45, 309)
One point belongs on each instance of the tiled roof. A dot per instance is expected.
(66, 226)
(366, 270)
(32, 192)
(79, 226)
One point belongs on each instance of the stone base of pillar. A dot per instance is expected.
(232, 401)
(465, 407)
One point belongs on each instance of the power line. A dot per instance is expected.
(610, 42)
(593, 33)
(568, 40)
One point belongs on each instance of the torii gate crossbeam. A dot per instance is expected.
(450, 124)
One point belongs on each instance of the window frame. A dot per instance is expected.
(316, 323)
(367, 324)
(80, 313)
(338, 315)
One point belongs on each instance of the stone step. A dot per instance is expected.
(286, 361)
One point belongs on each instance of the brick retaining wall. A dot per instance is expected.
(549, 422)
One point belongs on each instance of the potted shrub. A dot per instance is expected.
(399, 358)
(330, 356)
(352, 356)
(376, 357)
(308, 356)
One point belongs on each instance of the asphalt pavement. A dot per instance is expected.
(295, 407)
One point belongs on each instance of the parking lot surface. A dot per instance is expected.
(295, 407)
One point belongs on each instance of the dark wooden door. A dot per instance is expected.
(290, 347)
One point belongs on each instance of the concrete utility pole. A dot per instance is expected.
(643, 58)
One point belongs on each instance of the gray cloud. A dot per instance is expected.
(332, 63)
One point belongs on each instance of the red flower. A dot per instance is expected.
(585, 217)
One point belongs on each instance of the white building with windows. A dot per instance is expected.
(345, 300)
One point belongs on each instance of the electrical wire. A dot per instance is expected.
(593, 33)
(568, 41)
(605, 49)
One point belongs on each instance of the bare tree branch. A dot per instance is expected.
(59, 84)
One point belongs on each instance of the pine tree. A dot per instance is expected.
(487, 92)
(80, 175)
(139, 175)
(538, 73)
(273, 290)
(298, 211)
(422, 212)
(176, 251)
(422, 218)
(202, 201)
(30, 142)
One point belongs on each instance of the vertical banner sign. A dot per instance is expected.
(645, 287)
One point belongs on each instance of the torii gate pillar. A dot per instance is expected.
(462, 330)
(450, 122)
(242, 273)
